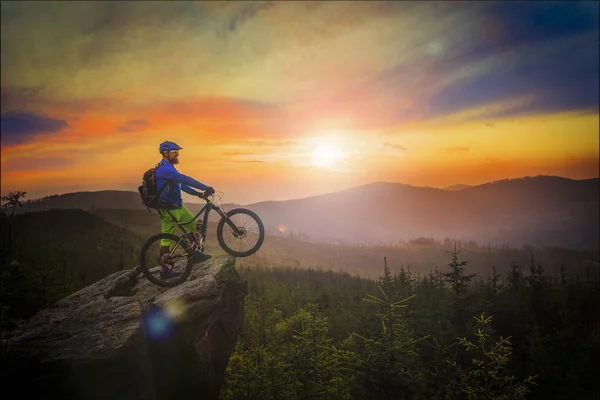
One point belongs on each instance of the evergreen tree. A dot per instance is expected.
(487, 378)
(459, 282)
(318, 368)
(389, 365)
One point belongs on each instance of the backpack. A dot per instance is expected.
(148, 190)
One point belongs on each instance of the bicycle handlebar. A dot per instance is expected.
(203, 195)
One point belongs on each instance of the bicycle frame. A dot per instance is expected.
(206, 210)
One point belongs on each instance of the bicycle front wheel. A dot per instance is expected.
(251, 232)
(177, 263)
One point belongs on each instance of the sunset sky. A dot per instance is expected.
(273, 101)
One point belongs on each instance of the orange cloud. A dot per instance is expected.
(213, 120)
(256, 151)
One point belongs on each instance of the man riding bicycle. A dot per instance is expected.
(170, 200)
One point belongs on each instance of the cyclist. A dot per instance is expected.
(170, 201)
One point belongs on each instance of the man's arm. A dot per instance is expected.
(170, 173)
(189, 190)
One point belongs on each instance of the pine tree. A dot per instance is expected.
(495, 278)
(459, 283)
(487, 378)
(389, 366)
(317, 368)
(386, 279)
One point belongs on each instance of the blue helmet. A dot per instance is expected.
(166, 146)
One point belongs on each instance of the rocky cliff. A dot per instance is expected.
(125, 338)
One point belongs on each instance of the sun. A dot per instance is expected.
(326, 154)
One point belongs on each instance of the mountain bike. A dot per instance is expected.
(240, 232)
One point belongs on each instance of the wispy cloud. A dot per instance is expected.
(133, 125)
(485, 111)
(395, 146)
(238, 153)
(24, 165)
(21, 126)
(247, 11)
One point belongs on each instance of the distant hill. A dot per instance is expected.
(541, 210)
(120, 199)
(105, 199)
(101, 241)
(458, 187)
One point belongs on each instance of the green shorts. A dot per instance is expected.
(183, 217)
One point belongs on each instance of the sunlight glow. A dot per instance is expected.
(326, 154)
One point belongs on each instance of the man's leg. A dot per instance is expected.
(186, 218)
(189, 225)
(168, 226)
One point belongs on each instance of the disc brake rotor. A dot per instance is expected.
(242, 233)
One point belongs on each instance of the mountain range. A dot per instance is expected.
(457, 187)
(539, 211)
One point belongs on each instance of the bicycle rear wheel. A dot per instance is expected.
(178, 260)
(251, 237)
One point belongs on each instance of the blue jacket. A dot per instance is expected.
(166, 174)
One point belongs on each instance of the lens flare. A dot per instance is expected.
(174, 309)
(157, 323)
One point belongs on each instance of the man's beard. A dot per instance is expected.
(175, 160)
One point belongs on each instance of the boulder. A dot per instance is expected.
(125, 338)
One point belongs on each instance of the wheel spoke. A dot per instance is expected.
(153, 261)
(245, 242)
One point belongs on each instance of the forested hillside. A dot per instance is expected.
(57, 252)
(313, 334)
(342, 322)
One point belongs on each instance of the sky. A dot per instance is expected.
(283, 100)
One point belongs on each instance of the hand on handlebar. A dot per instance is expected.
(207, 192)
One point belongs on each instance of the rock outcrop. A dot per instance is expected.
(125, 338)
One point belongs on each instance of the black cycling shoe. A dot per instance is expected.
(200, 257)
